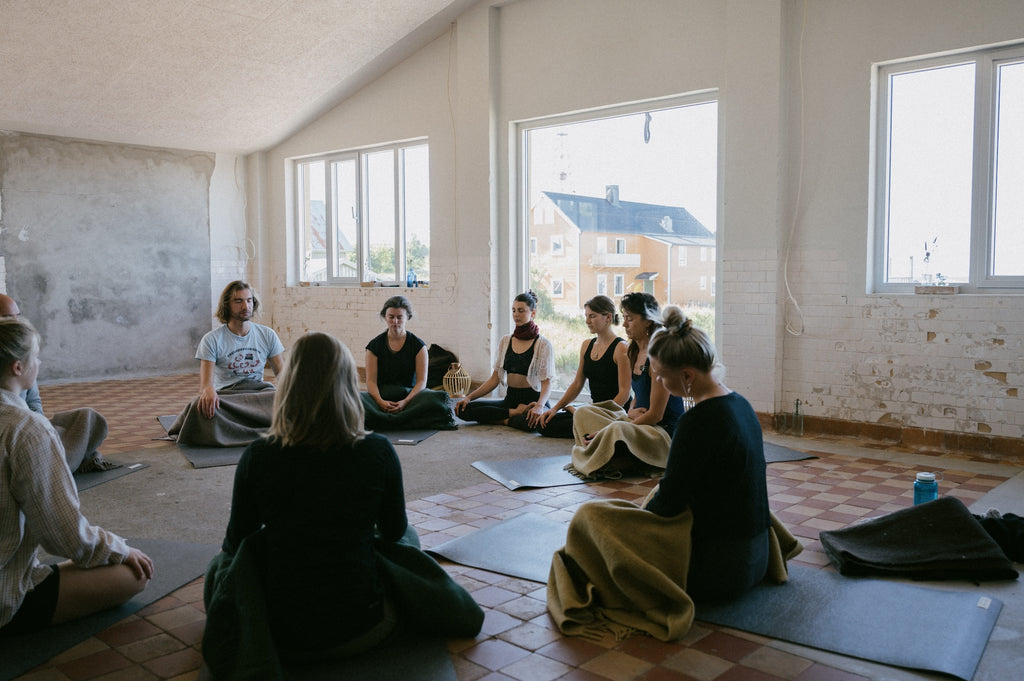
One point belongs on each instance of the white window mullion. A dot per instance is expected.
(984, 173)
(398, 186)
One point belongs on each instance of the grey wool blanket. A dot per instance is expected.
(940, 539)
(243, 416)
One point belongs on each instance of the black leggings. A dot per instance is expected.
(38, 607)
(496, 411)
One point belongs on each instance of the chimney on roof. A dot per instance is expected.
(611, 194)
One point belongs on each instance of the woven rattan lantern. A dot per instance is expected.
(456, 381)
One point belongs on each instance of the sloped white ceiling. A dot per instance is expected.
(211, 75)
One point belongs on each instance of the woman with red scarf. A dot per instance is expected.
(525, 364)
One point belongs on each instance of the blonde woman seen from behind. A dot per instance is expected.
(286, 500)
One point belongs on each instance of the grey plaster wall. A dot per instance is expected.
(107, 251)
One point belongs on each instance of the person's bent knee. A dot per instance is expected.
(84, 591)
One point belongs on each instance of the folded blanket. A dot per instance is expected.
(936, 540)
(428, 410)
(623, 569)
(612, 429)
(244, 415)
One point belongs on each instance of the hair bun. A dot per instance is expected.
(533, 295)
(675, 320)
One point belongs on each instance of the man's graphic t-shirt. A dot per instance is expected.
(239, 358)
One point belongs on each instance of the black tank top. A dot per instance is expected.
(601, 373)
(518, 363)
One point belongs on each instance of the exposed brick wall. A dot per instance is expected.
(921, 362)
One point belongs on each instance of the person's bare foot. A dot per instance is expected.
(520, 409)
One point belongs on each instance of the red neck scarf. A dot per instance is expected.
(527, 331)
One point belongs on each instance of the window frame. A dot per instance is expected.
(986, 61)
(360, 156)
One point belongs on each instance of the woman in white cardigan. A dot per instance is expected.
(525, 364)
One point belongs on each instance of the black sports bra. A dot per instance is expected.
(518, 362)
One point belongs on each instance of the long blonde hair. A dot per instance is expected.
(317, 402)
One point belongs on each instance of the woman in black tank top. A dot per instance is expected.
(526, 364)
(603, 364)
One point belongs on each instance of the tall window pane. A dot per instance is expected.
(312, 221)
(345, 218)
(416, 206)
(931, 132)
(380, 206)
(1008, 228)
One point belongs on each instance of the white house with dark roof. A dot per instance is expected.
(581, 246)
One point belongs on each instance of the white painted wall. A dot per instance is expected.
(950, 363)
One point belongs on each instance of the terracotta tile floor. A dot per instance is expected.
(518, 640)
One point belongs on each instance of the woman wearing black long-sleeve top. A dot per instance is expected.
(319, 560)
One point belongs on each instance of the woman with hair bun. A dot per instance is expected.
(704, 534)
(526, 364)
(604, 365)
(716, 465)
(396, 393)
(611, 440)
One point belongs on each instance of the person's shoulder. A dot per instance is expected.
(416, 341)
(263, 329)
(377, 444)
(214, 334)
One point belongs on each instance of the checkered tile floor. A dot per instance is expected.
(519, 640)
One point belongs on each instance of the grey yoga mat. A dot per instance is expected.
(175, 563)
(520, 546)
(86, 480)
(549, 471)
(883, 621)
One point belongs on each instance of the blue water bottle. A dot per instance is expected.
(926, 488)
(410, 278)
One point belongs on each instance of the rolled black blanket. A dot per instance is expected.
(937, 540)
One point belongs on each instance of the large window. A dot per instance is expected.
(364, 215)
(950, 164)
(613, 191)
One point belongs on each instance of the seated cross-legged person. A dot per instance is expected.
(610, 440)
(39, 509)
(234, 403)
(81, 430)
(604, 366)
(526, 363)
(396, 395)
(704, 534)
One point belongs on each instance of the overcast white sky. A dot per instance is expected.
(676, 167)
